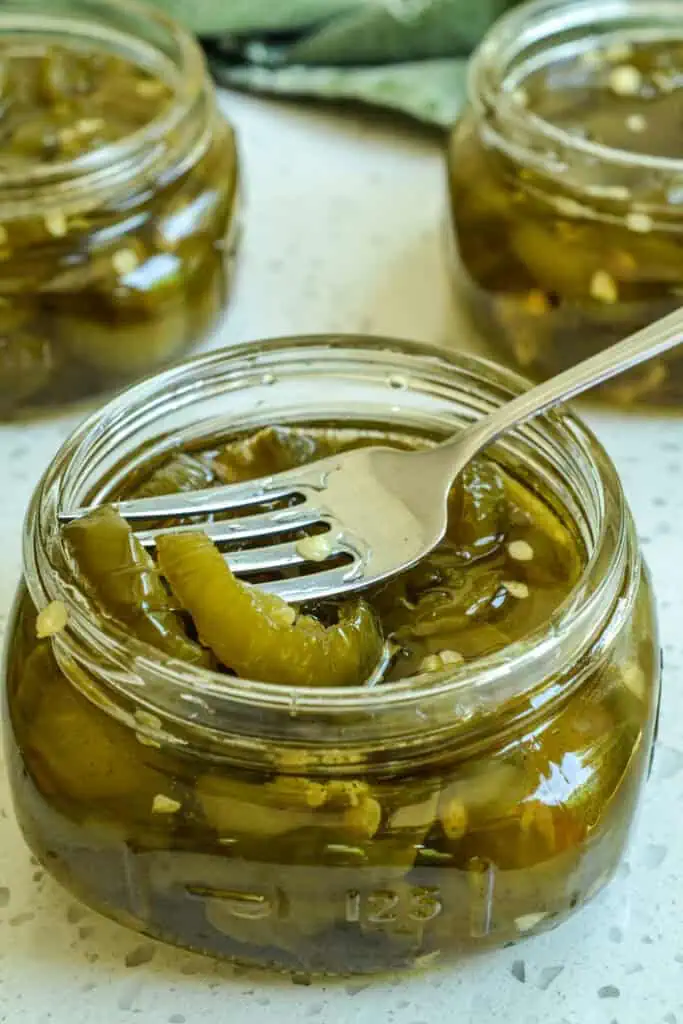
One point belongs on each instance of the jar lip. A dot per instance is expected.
(104, 161)
(531, 21)
(47, 580)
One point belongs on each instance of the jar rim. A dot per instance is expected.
(99, 20)
(538, 20)
(176, 688)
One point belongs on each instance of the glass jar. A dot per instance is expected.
(566, 185)
(117, 228)
(332, 830)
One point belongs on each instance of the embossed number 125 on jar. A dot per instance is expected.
(566, 185)
(118, 182)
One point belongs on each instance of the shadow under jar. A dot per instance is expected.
(118, 179)
(566, 185)
(346, 829)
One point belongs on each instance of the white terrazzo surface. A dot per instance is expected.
(344, 232)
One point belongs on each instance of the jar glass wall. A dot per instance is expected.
(565, 176)
(333, 830)
(118, 179)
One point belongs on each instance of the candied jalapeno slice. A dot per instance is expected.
(117, 570)
(133, 305)
(271, 450)
(259, 635)
(341, 811)
(76, 752)
(539, 550)
(513, 827)
(182, 472)
(278, 448)
(456, 599)
(131, 314)
(477, 510)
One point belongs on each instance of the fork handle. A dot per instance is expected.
(651, 341)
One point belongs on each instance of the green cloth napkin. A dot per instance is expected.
(407, 55)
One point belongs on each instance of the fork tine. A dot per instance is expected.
(244, 528)
(201, 502)
(277, 556)
(342, 579)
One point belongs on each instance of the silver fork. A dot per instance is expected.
(378, 510)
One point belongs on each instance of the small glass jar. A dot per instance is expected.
(566, 185)
(332, 830)
(117, 228)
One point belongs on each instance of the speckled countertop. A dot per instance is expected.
(345, 232)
